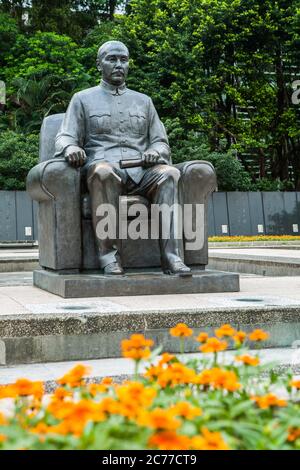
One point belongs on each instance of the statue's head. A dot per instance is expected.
(113, 62)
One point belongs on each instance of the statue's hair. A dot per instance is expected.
(103, 50)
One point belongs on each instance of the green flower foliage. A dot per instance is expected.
(18, 154)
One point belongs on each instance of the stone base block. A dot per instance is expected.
(136, 283)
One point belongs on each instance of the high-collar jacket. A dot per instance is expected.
(112, 124)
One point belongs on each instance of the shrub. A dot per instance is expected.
(18, 154)
(211, 403)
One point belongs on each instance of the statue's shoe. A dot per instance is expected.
(113, 269)
(176, 267)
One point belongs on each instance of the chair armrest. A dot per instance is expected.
(48, 180)
(56, 186)
(201, 180)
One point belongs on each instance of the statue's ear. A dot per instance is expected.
(98, 65)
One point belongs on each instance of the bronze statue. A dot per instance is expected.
(104, 127)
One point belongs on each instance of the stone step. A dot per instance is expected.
(260, 261)
(119, 369)
(17, 259)
(93, 330)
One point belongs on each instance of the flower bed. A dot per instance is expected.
(255, 238)
(203, 403)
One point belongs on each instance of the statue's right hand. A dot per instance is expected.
(75, 156)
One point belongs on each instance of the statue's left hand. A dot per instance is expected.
(151, 158)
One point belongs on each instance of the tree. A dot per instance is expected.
(16, 9)
(8, 35)
(43, 54)
(73, 18)
(225, 68)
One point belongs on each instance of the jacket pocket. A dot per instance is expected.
(100, 122)
(138, 122)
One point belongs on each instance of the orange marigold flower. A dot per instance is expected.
(208, 441)
(137, 354)
(169, 440)
(176, 374)
(295, 383)
(248, 360)
(75, 416)
(202, 337)
(61, 393)
(107, 381)
(160, 419)
(181, 330)
(239, 337)
(23, 388)
(219, 378)
(165, 359)
(153, 372)
(109, 405)
(137, 341)
(258, 335)
(134, 396)
(41, 428)
(185, 410)
(75, 377)
(136, 392)
(7, 391)
(137, 347)
(225, 330)
(95, 389)
(269, 400)
(2, 438)
(101, 387)
(294, 433)
(213, 345)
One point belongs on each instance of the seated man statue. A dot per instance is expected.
(110, 123)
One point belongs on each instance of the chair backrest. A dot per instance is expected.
(49, 129)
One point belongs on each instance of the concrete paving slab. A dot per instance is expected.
(260, 253)
(255, 289)
(16, 278)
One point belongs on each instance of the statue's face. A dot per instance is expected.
(114, 65)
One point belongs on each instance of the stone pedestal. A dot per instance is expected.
(134, 283)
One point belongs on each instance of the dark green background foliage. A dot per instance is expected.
(220, 73)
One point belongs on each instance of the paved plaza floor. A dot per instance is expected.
(18, 296)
